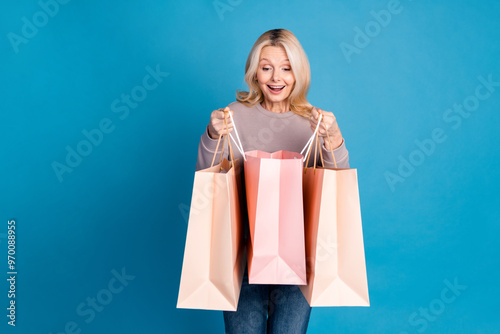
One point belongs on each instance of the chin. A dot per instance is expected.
(277, 98)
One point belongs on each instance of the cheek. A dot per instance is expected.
(263, 77)
(290, 79)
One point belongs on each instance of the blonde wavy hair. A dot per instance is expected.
(298, 62)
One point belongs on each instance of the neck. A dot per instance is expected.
(277, 107)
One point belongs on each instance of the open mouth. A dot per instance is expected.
(275, 89)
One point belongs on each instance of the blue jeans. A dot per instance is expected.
(273, 309)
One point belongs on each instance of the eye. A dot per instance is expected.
(266, 68)
(287, 69)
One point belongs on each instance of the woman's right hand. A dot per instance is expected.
(216, 126)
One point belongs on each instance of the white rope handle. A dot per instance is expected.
(311, 140)
(237, 144)
(307, 144)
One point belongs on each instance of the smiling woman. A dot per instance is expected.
(273, 115)
(275, 78)
(273, 57)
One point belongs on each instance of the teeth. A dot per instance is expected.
(277, 86)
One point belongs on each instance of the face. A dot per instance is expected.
(274, 74)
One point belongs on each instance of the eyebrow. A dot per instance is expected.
(269, 60)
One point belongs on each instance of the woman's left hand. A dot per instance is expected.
(329, 124)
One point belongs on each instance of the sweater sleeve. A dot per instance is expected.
(341, 156)
(206, 151)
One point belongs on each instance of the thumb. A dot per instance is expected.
(228, 111)
(314, 112)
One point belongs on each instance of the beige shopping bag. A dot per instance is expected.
(336, 274)
(214, 258)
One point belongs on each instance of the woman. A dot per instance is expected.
(274, 115)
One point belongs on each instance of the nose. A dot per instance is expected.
(276, 76)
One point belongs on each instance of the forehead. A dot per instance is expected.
(275, 53)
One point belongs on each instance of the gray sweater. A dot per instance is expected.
(261, 129)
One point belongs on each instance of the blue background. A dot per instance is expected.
(122, 205)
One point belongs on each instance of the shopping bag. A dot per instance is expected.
(276, 249)
(336, 270)
(214, 259)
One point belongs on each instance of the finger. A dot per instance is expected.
(224, 111)
(223, 132)
(228, 124)
(226, 132)
(313, 123)
(227, 110)
(220, 126)
(321, 130)
(224, 122)
(332, 118)
(324, 126)
(227, 119)
(217, 114)
(314, 113)
(221, 114)
(329, 118)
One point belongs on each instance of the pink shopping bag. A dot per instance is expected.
(276, 250)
